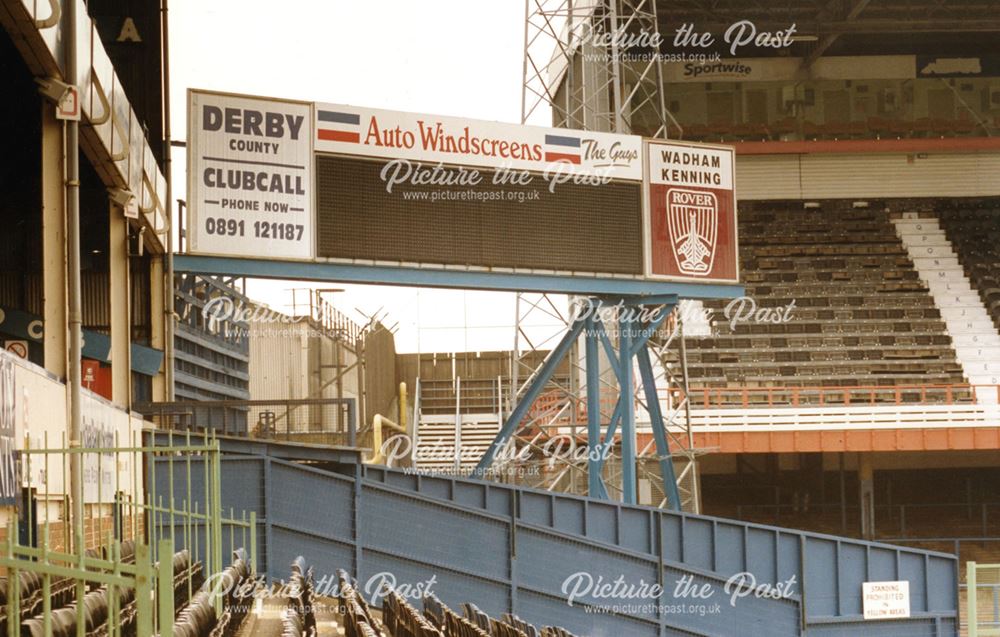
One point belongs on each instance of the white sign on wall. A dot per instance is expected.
(100, 423)
(782, 69)
(436, 139)
(886, 600)
(69, 106)
(691, 212)
(250, 184)
(18, 348)
(9, 470)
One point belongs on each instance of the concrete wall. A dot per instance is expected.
(381, 379)
(40, 407)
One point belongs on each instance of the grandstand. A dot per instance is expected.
(858, 315)
(974, 230)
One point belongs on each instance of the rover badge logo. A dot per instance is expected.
(693, 221)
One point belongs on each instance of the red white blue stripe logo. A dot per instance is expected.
(562, 148)
(338, 127)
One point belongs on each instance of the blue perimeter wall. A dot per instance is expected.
(510, 549)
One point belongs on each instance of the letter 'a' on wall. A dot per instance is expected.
(690, 212)
(250, 177)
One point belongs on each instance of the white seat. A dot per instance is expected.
(984, 379)
(986, 368)
(949, 286)
(959, 300)
(964, 313)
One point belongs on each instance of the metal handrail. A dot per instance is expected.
(707, 397)
(54, 16)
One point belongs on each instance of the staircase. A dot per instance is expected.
(974, 337)
(456, 422)
(453, 444)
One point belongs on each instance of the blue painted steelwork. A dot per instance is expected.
(449, 278)
(510, 549)
(595, 484)
(631, 341)
(620, 362)
(535, 388)
(626, 392)
(631, 293)
(659, 430)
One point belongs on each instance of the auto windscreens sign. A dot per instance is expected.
(249, 176)
(690, 214)
(557, 153)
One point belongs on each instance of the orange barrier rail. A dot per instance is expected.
(743, 397)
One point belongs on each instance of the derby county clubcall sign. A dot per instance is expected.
(249, 176)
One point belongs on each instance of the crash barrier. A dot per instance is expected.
(529, 553)
(97, 604)
(114, 571)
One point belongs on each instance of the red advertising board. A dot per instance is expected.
(690, 212)
(96, 377)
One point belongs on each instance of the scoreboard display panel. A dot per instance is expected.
(329, 183)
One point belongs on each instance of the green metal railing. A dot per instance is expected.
(181, 506)
(121, 504)
(982, 585)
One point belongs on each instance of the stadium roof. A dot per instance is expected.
(951, 28)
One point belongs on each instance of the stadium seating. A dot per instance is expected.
(448, 621)
(195, 619)
(299, 619)
(870, 128)
(398, 618)
(974, 232)
(858, 314)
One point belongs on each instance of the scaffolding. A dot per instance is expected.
(596, 65)
(560, 416)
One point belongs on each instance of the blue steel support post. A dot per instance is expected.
(609, 435)
(631, 348)
(534, 389)
(595, 486)
(659, 434)
(627, 402)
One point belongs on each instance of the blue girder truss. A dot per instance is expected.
(633, 341)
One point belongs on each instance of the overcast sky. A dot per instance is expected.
(448, 57)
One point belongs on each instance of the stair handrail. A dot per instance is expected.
(415, 420)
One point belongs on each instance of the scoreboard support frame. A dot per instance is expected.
(451, 278)
(633, 342)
